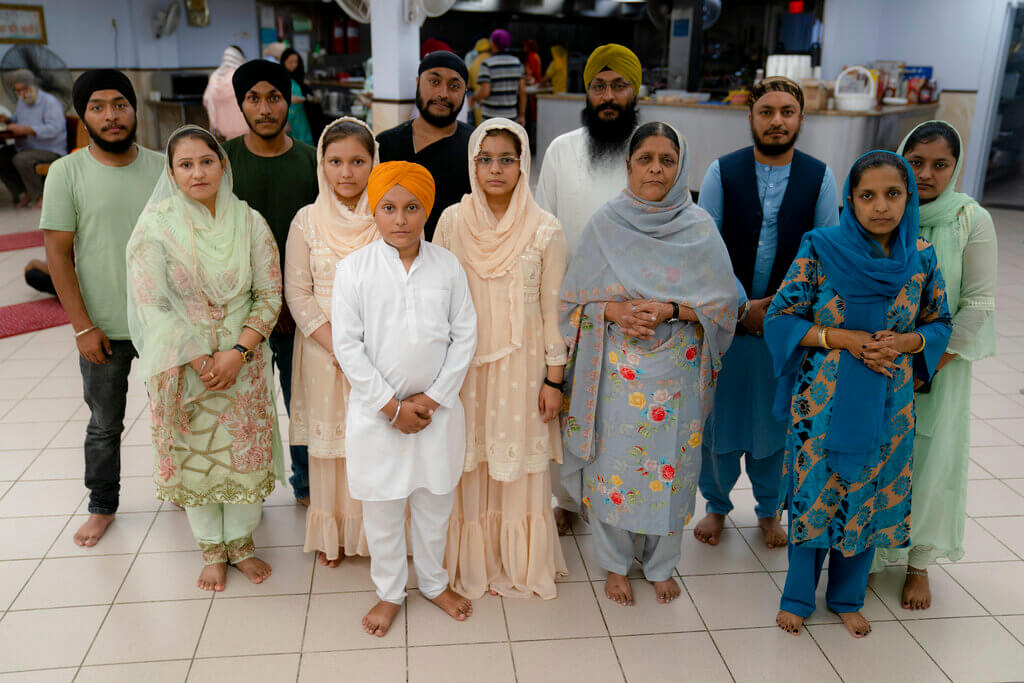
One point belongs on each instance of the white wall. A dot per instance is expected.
(965, 40)
(80, 32)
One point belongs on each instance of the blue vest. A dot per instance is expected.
(742, 213)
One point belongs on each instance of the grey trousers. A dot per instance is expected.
(617, 548)
(18, 170)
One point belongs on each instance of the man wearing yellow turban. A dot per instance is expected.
(404, 333)
(586, 167)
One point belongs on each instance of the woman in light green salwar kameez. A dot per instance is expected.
(204, 293)
(964, 238)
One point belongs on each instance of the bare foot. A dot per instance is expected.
(255, 569)
(667, 591)
(304, 502)
(617, 589)
(709, 529)
(321, 556)
(564, 520)
(454, 605)
(92, 531)
(774, 534)
(856, 624)
(917, 593)
(789, 622)
(378, 620)
(213, 577)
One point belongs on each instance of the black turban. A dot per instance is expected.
(444, 60)
(258, 70)
(100, 79)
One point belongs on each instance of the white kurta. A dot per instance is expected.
(397, 334)
(571, 188)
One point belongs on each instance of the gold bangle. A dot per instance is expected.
(824, 337)
(923, 343)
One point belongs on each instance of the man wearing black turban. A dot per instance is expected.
(276, 175)
(435, 139)
(91, 201)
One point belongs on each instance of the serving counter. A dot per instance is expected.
(713, 130)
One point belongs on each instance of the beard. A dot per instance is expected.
(266, 136)
(113, 146)
(608, 138)
(433, 119)
(773, 149)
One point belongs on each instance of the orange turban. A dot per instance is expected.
(412, 177)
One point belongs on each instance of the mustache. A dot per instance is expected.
(442, 101)
(112, 126)
(266, 119)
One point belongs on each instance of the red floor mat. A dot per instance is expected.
(21, 240)
(31, 316)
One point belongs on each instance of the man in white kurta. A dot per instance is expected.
(398, 334)
(586, 167)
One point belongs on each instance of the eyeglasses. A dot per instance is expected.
(504, 162)
(618, 87)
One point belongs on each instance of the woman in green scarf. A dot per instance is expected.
(964, 239)
(204, 291)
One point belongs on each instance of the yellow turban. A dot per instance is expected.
(618, 58)
(412, 177)
(483, 45)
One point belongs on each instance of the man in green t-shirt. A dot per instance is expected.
(276, 175)
(91, 201)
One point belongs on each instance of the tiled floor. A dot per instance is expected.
(128, 610)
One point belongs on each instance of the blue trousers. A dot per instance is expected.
(718, 474)
(847, 579)
(283, 346)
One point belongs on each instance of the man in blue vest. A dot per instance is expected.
(763, 199)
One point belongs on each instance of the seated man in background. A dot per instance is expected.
(41, 136)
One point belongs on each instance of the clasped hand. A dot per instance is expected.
(878, 351)
(414, 413)
(638, 317)
(220, 371)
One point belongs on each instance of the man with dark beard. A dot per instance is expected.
(763, 199)
(91, 201)
(584, 168)
(435, 139)
(276, 175)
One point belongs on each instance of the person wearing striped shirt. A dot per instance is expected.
(501, 90)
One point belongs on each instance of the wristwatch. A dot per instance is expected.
(675, 312)
(247, 354)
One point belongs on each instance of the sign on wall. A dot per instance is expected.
(22, 24)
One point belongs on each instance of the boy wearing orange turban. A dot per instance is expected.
(404, 334)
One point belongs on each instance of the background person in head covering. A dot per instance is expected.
(404, 334)
(964, 239)
(298, 119)
(226, 119)
(483, 51)
(583, 169)
(557, 73)
(322, 234)
(793, 193)
(91, 201)
(272, 52)
(648, 309)
(514, 255)
(860, 316)
(197, 247)
(41, 135)
(435, 139)
(501, 81)
(276, 175)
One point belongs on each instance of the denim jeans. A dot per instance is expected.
(282, 346)
(106, 392)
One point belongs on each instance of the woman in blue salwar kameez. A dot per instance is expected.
(859, 319)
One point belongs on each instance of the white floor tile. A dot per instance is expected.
(23, 538)
(167, 576)
(991, 497)
(40, 676)
(27, 369)
(14, 575)
(257, 669)
(731, 555)
(683, 657)
(16, 389)
(150, 672)
(281, 526)
(335, 622)
(1001, 461)
(873, 610)
(735, 600)
(123, 536)
(36, 498)
(261, 635)
(491, 662)
(73, 581)
(429, 625)
(983, 434)
(977, 649)
(14, 463)
(170, 532)
(352, 575)
(774, 559)
(764, 655)
(1009, 530)
(997, 407)
(292, 573)
(149, 631)
(574, 614)
(573, 561)
(43, 410)
(647, 615)
(49, 638)
(57, 463)
(380, 666)
(1014, 624)
(996, 585)
(888, 653)
(21, 436)
(1013, 428)
(583, 659)
(949, 599)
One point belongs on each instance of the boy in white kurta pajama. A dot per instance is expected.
(404, 334)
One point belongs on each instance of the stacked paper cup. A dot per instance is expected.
(794, 67)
